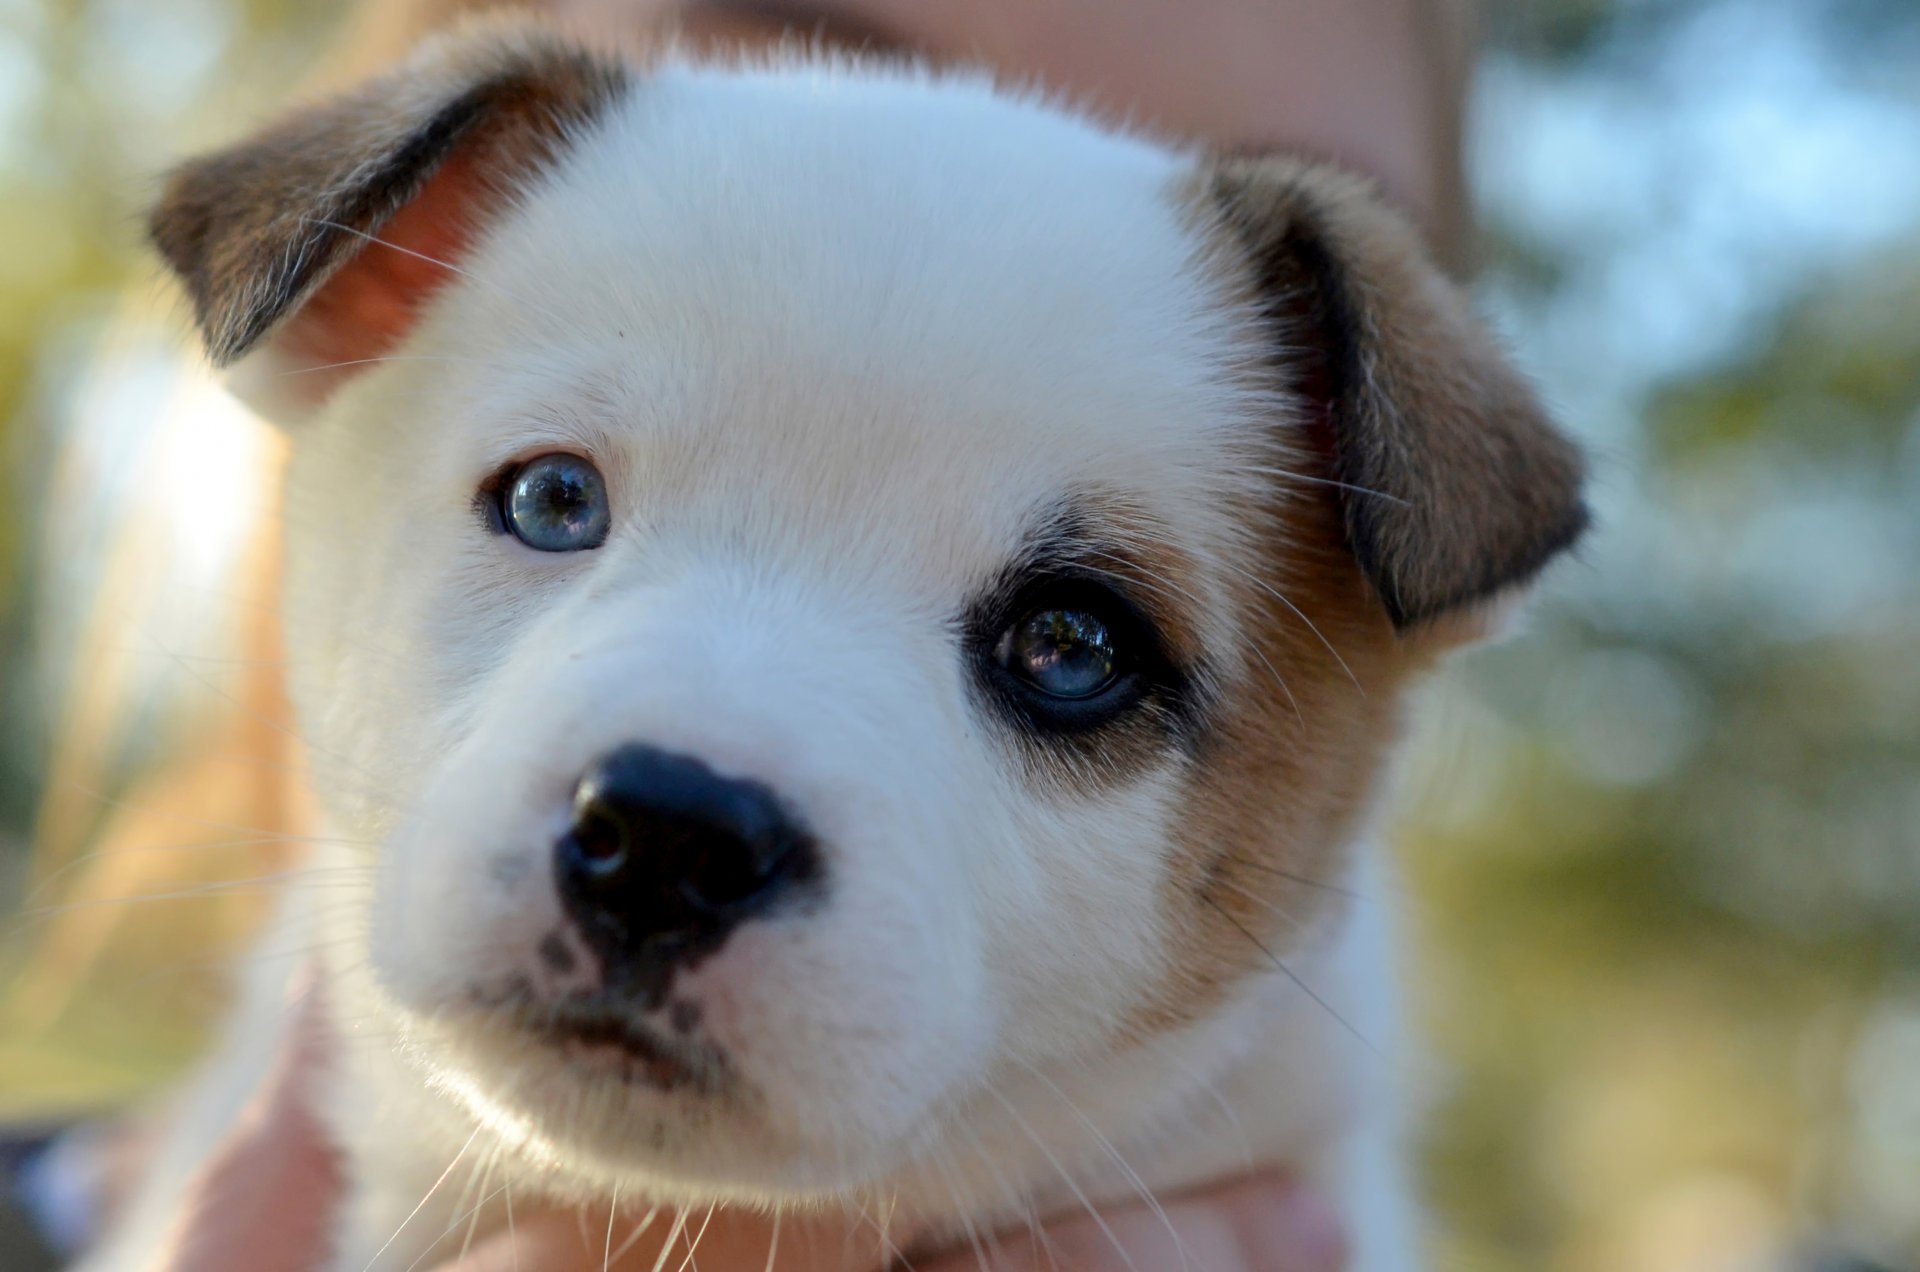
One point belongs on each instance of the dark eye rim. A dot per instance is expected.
(490, 500)
(1143, 665)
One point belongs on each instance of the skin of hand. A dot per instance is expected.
(1374, 84)
(265, 1200)
(1357, 80)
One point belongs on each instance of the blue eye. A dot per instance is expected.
(1063, 653)
(556, 503)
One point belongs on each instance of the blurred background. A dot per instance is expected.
(1663, 849)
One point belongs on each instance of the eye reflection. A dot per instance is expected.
(557, 503)
(1064, 653)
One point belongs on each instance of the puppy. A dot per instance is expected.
(849, 625)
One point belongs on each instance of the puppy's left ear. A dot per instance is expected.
(317, 243)
(1455, 487)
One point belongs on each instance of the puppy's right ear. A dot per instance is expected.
(316, 243)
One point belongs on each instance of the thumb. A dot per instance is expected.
(264, 1201)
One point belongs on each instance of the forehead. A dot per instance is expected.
(887, 291)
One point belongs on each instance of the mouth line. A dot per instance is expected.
(599, 1036)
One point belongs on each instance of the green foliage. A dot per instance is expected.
(1837, 382)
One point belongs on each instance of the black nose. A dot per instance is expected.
(665, 857)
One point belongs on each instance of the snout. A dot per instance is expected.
(664, 858)
(690, 893)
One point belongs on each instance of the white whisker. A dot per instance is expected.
(1132, 1176)
(694, 1244)
(473, 1222)
(606, 1251)
(1293, 976)
(673, 1235)
(1066, 1177)
(414, 1213)
(773, 1245)
(639, 1230)
(1167, 587)
(1300, 614)
(1287, 474)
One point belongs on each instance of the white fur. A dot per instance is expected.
(836, 339)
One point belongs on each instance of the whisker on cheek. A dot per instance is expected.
(493, 1160)
(693, 1245)
(1293, 976)
(258, 884)
(247, 711)
(415, 1212)
(674, 1234)
(1113, 1154)
(640, 1230)
(1066, 1176)
(463, 1206)
(50, 882)
(966, 1214)
(179, 582)
(1306, 479)
(1304, 881)
(773, 1242)
(613, 1209)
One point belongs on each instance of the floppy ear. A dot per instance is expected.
(1455, 486)
(320, 239)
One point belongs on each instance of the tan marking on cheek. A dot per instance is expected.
(1283, 776)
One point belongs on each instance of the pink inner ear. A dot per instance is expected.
(370, 304)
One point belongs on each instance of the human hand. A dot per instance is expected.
(264, 1201)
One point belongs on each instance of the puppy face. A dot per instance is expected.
(832, 587)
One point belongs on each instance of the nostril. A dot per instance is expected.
(598, 842)
(720, 874)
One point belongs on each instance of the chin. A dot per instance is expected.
(603, 1109)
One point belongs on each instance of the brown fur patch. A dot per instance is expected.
(1300, 725)
(1350, 594)
(256, 230)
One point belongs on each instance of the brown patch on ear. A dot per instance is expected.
(1458, 486)
(254, 232)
